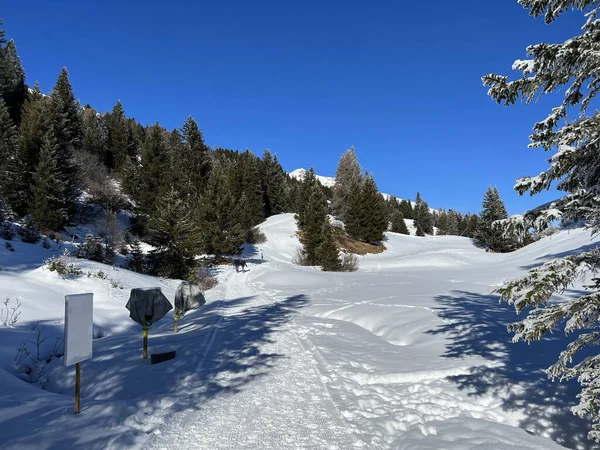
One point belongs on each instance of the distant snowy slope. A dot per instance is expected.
(298, 174)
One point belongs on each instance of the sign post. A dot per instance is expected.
(79, 323)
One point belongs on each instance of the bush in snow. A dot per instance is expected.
(204, 277)
(93, 250)
(9, 247)
(32, 362)
(255, 236)
(62, 266)
(10, 312)
(7, 231)
(300, 257)
(29, 232)
(349, 262)
(573, 67)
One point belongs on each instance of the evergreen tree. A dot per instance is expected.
(67, 122)
(35, 124)
(275, 192)
(572, 67)
(398, 224)
(315, 217)
(49, 208)
(12, 187)
(422, 215)
(194, 165)
(13, 89)
(493, 210)
(175, 236)
(452, 225)
(348, 174)
(136, 259)
(221, 232)
(118, 134)
(95, 134)
(354, 221)
(375, 218)
(155, 168)
(420, 231)
(328, 252)
(305, 189)
(406, 209)
(2, 33)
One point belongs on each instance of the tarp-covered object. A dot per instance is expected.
(188, 297)
(147, 305)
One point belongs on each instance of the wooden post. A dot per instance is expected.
(176, 325)
(145, 353)
(77, 386)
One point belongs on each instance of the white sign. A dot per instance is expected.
(79, 323)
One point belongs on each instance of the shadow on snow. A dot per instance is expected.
(217, 354)
(477, 327)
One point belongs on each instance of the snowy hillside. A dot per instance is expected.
(298, 174)
(410, 352)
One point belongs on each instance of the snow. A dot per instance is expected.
(298, 174)
(409, 352)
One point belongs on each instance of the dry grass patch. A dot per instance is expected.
(345, 242)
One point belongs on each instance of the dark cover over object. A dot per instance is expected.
(147, 305)
(188, 296)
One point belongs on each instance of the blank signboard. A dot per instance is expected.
(79, 322)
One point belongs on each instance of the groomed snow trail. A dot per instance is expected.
(284, 407)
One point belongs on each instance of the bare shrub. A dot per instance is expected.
(204, 277)
(10, 312)
(349, 262)
(32, 362)
(255, 236)
(300, 257)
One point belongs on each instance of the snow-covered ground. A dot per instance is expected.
(410, 352)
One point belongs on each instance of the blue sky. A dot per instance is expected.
(400, 81)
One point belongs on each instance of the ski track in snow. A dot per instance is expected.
(291, 392)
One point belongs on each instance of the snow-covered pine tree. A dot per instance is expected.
(398, 224)
(328, 252)
(573, 67)
(12, 186)
(348, 174)
(49, 208)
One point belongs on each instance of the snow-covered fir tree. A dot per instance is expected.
(573, 131)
